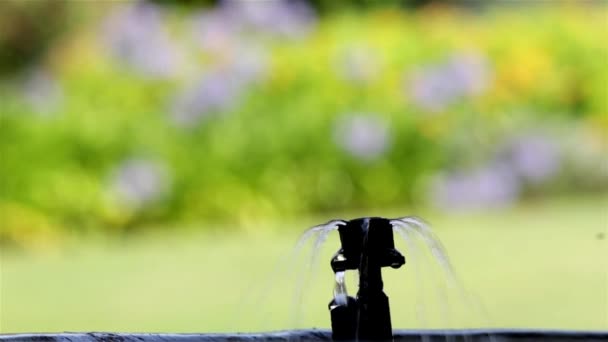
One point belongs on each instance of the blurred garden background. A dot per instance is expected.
(158, 157)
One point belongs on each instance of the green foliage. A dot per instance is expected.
(276, 150)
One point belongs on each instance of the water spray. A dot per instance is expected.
(367, 245)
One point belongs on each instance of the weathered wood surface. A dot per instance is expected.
(318, 335)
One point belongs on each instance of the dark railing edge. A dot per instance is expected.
(314, 335)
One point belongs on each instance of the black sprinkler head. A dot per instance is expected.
(372, 236)
(367, 246)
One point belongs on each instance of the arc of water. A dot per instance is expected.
(419, 226)
(433, 243)
(406, 233)
(415, 259)
(282, 267)
(325, 227)
(323, 231)
(321, 238)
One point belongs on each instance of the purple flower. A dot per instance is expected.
(434, 88)
(136, 35)
(429, 90)
(139, 182)
(283, 18)
(467, 74)
(216, 31)
(526, 159)
(493, 186)
(535, 157)
(214, 93)
(42, 92)
(363, 136)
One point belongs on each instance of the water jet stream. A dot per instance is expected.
(415, 258)
(282, 269)
(323, 232)
(419, 226)
(340, 292)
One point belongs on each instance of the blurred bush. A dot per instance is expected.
(151, 115)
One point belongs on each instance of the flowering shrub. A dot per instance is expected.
(156, 115)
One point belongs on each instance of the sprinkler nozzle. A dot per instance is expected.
(367, 246)
(375, 235)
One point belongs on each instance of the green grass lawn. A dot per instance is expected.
(542, 265)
